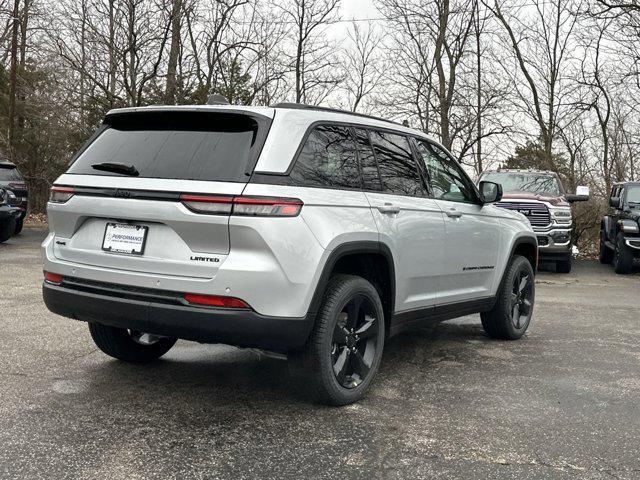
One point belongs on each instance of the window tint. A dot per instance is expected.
(179, 145)
(327, 159)
(9, 174)
(447, 179)
(398, 170)
(368, 164)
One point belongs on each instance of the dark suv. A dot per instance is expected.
(619, 230)
(9, 213)
(11, 179)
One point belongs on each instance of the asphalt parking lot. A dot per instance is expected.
(448, 403)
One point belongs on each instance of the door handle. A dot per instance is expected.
(453, 213)
(388, 208)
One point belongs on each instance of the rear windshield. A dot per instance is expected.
(9, 174)
(178, 145)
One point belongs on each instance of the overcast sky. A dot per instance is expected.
(357, 9)
(352, 9)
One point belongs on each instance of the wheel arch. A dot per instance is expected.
(372, 260)
(527, 246)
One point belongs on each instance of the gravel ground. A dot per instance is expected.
(448, 402)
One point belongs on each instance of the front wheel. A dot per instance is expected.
(129, 345)
(510, 316)
(563, 266)
(622, 257)
(343, 354)
(7, 227)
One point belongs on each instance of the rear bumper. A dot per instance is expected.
(243, 328)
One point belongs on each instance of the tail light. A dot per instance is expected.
(18, 186)
(60, 194)
(243, 205)
(215, 301)
(53, 278)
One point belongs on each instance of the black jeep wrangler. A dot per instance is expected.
(620, 231)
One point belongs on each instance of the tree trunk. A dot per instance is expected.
(170, 90)
(479, 166)
(13, 78)
(113, 62)
(445, 136)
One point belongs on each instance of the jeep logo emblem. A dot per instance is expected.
(122, 193)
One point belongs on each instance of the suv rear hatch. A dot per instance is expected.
(126, 201)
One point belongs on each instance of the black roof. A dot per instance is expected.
(304, 106)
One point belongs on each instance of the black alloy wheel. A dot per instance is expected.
(355, 340)
(521, 298)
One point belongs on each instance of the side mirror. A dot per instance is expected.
(582, 195)
(614, 202)
(490, 192)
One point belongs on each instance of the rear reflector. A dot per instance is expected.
(53, 278)
(242, 205)
(60, 194)
(215, 301)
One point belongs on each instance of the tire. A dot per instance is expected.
(517, 290)
(19, 225)
(622, 257)
(337, 366)
(7, 227)
(606, 254)
(563, 266)
(129, 346)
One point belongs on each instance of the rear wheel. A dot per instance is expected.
(7, 228)
(129, 345)
(512, 313)
(19, 225)
(606, 254)
(622, 257)
(344, 351)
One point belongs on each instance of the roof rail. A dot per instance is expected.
(304, 106)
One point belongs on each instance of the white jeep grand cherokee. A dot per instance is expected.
(301, 230)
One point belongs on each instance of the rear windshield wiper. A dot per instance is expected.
(116, 168)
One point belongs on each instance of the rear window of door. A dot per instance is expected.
(368, 164)
(179, 145)
(327, 159)
(398, 170)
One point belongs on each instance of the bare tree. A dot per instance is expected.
(540, 43)
(363, 65)
(314, 65)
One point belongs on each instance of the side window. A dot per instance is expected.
(327, 159)
(398, 170)
(447, 179)
(368, 164)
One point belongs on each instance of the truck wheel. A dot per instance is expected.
(510, 316)
(19, 225)
(343, 354)
(622, 257)
(563, 266)
(129, 345)
(606, 254)
(7, 227)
